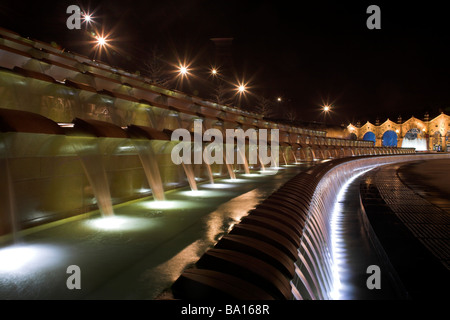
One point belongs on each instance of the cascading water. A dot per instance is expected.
(313, 154)
(263, 167)
(207, 150)
(419, 144)
(320, 253)
(92, 162)
(149, 163)
(243, 157)
(189, 171)
(210, 173)
(316, 276)
(293, 155)
(284, 158)
(229, 167)
(231, 171)
(8, 199)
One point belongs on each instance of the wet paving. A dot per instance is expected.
(411, 226)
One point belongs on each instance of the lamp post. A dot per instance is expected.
(183, 70)
(241, 90)
(326, 108)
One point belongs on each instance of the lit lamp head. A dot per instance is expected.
(101, 41)
(183, 70)
(241, 88)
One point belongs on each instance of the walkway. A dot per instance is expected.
(408, 208)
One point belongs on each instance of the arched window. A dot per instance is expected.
(389, 139)
(370, 136)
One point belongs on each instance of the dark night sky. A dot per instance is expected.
(308, 53)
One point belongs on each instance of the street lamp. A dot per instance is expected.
(183, 70)
(87, 18)
(241, 89)
(325, 109)
(101, 41)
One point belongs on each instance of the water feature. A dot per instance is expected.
(151, 168)
(231, 172)
(261, 163)
(189, 171)
(89, 152)
(229, 166)
(284, 158)
(320, 260)
(210, 173)
(241, 153)
(138, 253)
(7, 196)
(293, 155)
(313, 154)
(420, 144)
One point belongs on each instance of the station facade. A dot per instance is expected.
(424, 135)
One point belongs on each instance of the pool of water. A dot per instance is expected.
(140, 251)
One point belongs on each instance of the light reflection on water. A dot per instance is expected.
(166, 236)
(19, 258)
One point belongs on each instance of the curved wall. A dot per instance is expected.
(286, 241)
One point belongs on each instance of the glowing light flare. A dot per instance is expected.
(169, 204)
(251, 175)
(241, 88)
(101, 41)
(120, 223)
(28, 258)
(183, 70)
(108, 223)
(160, 205)
(15, 257)
(199, 193)
(234, 180)
(217, 186)
(87, 18)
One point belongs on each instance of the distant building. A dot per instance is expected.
(424, 135)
